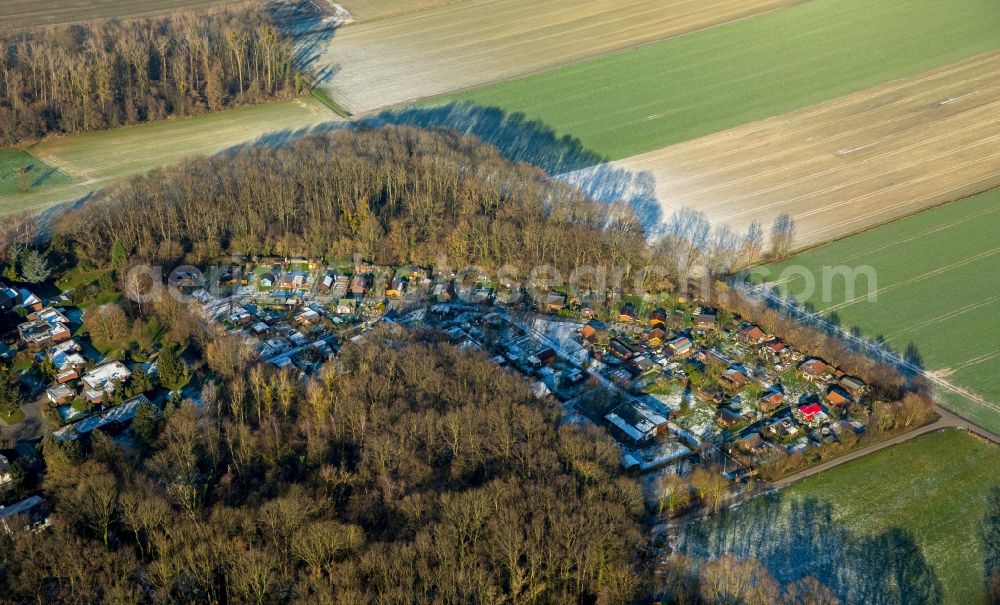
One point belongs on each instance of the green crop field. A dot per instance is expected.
(679, 89)
(934, 487)
(96, 160)
(39, 176)
(911, 509)
(937, 294)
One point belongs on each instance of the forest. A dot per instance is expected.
(104, 74)
(409, 472)
(411, 452)
(394, 195)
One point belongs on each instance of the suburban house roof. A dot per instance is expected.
(555, 299)
(658, 316)
(45, 326)
(680, 344)
(853, 384)
(67, 375)
(706, 317)
(24, 507)
(838, 395)
(635, 420)
(59, 393)
(813, 367)
(735, 376)
(729, 416)
(751, 442)
(28, 300)
(810, 411)
(120, 414)
(105, 378)
(753, 334)
(775, 345)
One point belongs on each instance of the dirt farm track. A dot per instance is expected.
(448, 48)
(848, 164)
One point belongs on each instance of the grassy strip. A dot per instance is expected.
(109, 155)
(12, 419)
(324, 97)
(904, 518)
(39, 175)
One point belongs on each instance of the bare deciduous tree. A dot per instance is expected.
(782, 236)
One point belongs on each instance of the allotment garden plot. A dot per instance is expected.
(937, 295)
(433, 52)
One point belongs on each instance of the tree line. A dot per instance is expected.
(399, 195)
(394, 195)
(105, 74)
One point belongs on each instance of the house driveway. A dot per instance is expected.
(33, 427)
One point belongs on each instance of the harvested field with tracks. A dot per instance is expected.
(36, 13)
(434, 52)
(846, 165)
(370, 10)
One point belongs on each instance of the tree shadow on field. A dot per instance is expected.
(989, 538)
(518, 139)
(795, 537)
(311, 30)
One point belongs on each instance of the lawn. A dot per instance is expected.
(12, 419)
(937, 295)
(911, 509)
(682, 88)
(39, 176)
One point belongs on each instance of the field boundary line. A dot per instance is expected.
(430, 99)
(839, 102)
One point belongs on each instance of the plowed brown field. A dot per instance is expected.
(369, 10)
(842, 166)
(34, 13)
